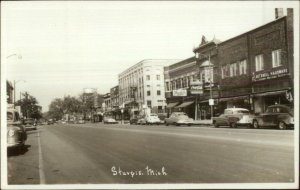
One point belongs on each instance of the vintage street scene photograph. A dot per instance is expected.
(146, 94)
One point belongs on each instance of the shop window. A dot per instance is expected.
(259, 62)
(148, 93)
(243, 67)
(233, 69)
(276, 58)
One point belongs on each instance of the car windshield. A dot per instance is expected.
(242, 111)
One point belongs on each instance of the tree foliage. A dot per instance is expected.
(29, 106)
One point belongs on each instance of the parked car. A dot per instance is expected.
(179, 118)
(152, 119)
(16, 132)
(141, 121)
(30, 124)
(280, 116)
(234, 117)
(133, 120)
(109, 120)
(81, 121)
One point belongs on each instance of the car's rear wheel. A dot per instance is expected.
(255, 124)
(282, 126)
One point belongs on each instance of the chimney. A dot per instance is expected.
(278, 13)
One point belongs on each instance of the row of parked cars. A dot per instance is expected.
(278, 116)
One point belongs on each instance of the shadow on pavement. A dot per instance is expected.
(16, 151)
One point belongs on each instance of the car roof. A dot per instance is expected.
(235, 109)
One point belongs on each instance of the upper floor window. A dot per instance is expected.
(148, 77)
(276, 58)
(158, 93)
(259, 62)
(167, 86)
(233, 69)
(157, 77)
(243, 67)
(148, 93)
(224, 71)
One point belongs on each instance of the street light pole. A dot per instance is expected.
(15, 82)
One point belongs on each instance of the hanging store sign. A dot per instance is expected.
(180, 92)
(196, 87)
(270, 75)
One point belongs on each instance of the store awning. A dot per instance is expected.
(171, 105)
(185, 104)
(270, 93)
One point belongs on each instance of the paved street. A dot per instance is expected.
(97, 153)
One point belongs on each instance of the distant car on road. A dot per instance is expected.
(50, 121)
(16, 132)
(152, 119)
(280, 116)
(109, 120)
(234, 117)
(179, 118)
(141, 121)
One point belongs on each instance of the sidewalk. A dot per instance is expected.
(203, 122)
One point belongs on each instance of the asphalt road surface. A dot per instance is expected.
(98, 154)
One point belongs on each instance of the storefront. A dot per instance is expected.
(188, 108)
(237, 101)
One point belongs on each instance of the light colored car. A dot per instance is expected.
(30, 124)
(179, 118)
(109, 120)
(152, 119)
(280, 116)
(81, 121)
(16, 132)
(234, 117)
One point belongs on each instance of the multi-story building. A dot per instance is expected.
(178, 77)
(142, 86)
(114, 99)
(107, 103)
(252, 70)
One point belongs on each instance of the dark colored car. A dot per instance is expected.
(30, 124)
(280, 116)
(16, 132)
(50, 122)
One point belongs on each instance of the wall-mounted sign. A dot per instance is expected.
(211, 102)
(196, 87)
(270, 74)
(180, 92)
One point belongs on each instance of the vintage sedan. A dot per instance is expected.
(179, 118)
(234, 117)
(280, 116)
(16, 132)
(109, 120)
(152, 119)
(30, 124)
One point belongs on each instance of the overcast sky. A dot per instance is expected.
(64, 47)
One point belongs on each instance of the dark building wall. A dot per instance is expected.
(234, 51)
(263, 41)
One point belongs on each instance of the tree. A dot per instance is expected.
(29, 106)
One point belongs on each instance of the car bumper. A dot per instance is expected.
(15, 144)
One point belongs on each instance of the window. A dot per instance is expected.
(243, 67)
(149, 103)
(148, 77)
(148, 93)
(157, 77)
(224, 71)
(259, 62)
(233, 70)
(148, 86)
(276, 58)
(158, 93)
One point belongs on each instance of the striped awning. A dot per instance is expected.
(171, 105)
(185, 104)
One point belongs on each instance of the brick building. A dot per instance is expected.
(252, 70)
